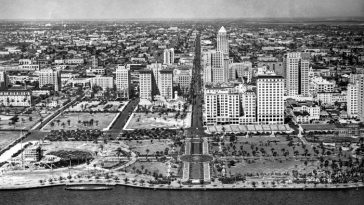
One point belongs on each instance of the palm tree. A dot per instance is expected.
(147, 151)
(141, 181)
(118, 152)
(126, 180)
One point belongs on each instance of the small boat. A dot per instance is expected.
(88, 188)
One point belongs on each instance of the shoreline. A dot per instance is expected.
(295, 187)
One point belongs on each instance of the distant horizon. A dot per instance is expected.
(333, 18)
(178, 9)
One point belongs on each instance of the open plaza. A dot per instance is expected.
(155, 120)
(80, 120)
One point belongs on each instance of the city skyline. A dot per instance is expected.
(188, 9)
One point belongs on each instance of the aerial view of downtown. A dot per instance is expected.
(181, 102)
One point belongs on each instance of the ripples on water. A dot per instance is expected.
(127, 195)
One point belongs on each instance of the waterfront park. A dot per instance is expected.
(85, 146)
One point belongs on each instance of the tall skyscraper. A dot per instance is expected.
(217, 59)
(168, 56)
(145, 84)
(352, 99)
(165, 84)
(249, 105)
(122, 81)
(296, 67)
(156, 68)
(50, 77)
(207, 74)
(361, 97)
(222, 41)
(270, 103)
(217, 75)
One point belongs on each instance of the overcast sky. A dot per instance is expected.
(143, 9)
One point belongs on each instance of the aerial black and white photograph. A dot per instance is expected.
(181, 102)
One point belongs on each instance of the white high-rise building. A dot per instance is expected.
(226, 68)
(361, 97)
(217, 59)
(352, 99)
(218, 75)
(249, 105)
(105, 82)
(168, 56)
(165, 84)
(222, 106)
(296, 69)
(145, 84)
(270, 103)
(122, 81)
(156, 68)
(50, 77)
(222, 41)
(207, 74)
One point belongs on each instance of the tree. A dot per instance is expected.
(118, 152)
(147, 151)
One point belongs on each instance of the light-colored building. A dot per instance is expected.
(184, 79)
(320, 84)
(165, 84)
(104, 82)
(270, 103)
(352, 100)
(94, 62)
(324, 98)
(168, 56)
(122, 80)
(145, 84)
(249, 105)
(50, 77)
(222, 106)
(21, 98)
(207, 76)
(240, 70)
(156, 68)
(74, 61)
(217, 75)
(222, 41)
(33, 153)
(296, 68)
(361, 98)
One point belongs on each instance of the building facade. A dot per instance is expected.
(122, 81)
(270, 103)
(145, 84)
(50, 77)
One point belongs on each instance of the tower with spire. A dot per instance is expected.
(222, 41)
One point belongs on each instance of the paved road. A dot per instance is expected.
(196, 94)
(120, 122)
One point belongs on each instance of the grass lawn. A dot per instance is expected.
(156, 145)
(6, 137)
(267, 166)
(23, 121)
(157, 167)
(101, 120)
(107, 149)
(154, 120)
(258, 144)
